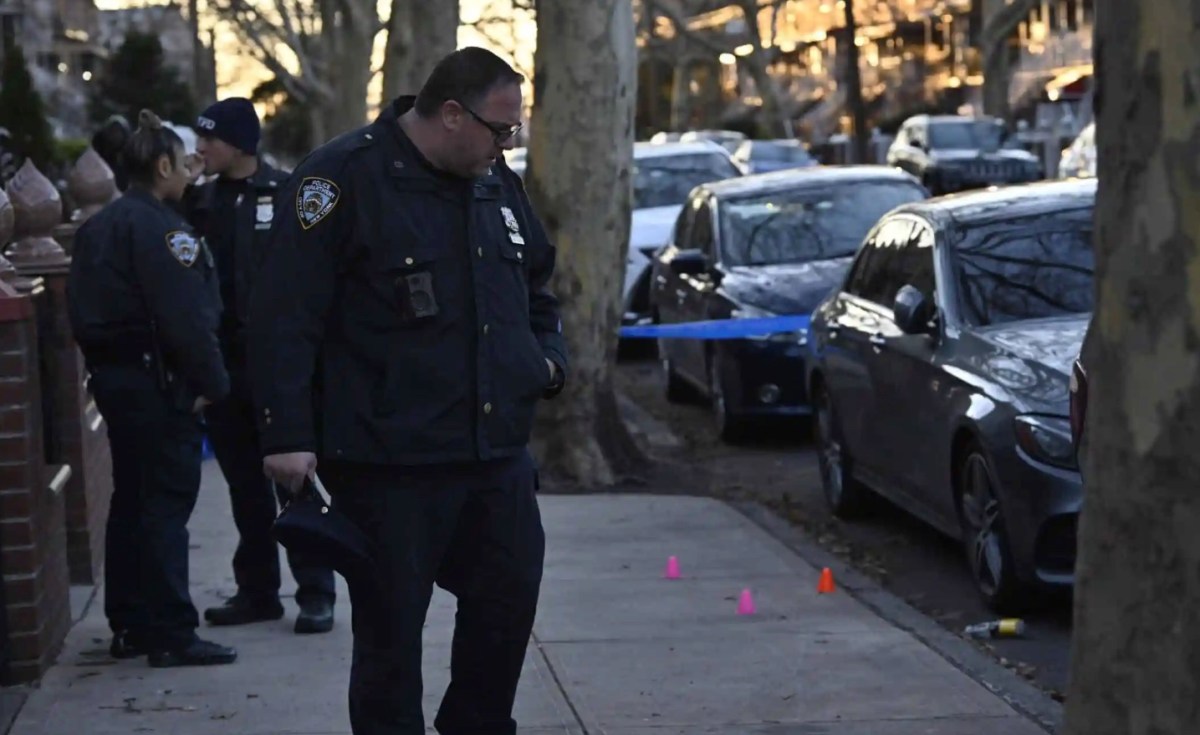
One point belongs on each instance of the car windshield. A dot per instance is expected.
(778, 153)
(968, 134)
(813, 223)
(1029, 268)
(664, 181)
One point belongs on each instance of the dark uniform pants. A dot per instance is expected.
(156, 479)
(253, 496)
(474, 530)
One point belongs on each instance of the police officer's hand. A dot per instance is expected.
(290, 469)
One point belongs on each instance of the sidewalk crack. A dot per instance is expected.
(558, 683)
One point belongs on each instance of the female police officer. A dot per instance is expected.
(143, 305)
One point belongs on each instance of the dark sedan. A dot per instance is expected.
(940, 376)
(760, 246)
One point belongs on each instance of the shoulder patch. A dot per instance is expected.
(315, 200)
(183, 246)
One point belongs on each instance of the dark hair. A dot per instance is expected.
(148, 143)
(109, 141)
(465, 76)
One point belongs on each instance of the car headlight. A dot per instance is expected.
(1046, 439)
(797, 337)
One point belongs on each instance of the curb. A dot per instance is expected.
(1022, 696)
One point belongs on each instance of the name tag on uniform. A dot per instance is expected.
(514, 229)
(264, 213)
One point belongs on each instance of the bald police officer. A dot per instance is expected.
(400, 335)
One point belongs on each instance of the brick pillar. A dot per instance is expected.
(76, 434)
(33, 539)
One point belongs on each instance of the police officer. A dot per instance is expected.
(233, 213)
(143, 307)
(402, 332)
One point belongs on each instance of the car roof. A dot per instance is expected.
(804, 177)
(953, 118)
(1005, 202)
(644, 150)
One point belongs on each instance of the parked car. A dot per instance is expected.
(764, 156)
(727, 139)
(759, 246)
(663, 174)
(940, 376)
(1079, 159)
(951, 153)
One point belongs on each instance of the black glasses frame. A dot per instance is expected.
(501, 132)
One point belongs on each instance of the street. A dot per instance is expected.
(777, 466)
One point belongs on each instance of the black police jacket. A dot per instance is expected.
(402, 316)
(141, 283)
(249, 228)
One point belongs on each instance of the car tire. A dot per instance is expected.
(731, 428)
(846, 497)
(985, 536)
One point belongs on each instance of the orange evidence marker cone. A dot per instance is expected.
(672, 570)
(746, 603)
(825, 585)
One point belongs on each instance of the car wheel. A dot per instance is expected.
(845, 496)
(730, 427)
(985, 536)
(677, 390)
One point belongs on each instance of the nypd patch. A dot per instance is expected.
(183, 246)
(315, 200)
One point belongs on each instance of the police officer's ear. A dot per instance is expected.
(166, 165)
(453, 115)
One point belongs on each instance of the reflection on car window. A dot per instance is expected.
(807, 224)
(969, 134)
(1029, 268)
(663, 181)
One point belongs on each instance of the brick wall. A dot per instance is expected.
(33, 538)
(75, 434)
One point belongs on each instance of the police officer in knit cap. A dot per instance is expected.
(234, 213)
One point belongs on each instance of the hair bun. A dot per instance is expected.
(149, 121)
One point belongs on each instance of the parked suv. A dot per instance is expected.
(953, 153)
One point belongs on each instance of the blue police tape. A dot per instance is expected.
(719, 328)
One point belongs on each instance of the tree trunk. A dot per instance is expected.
(420, 33)
(1000, 21)
(347, 31)
(1136, 640)
(854, 95)
(773, 122)
(579, 179)
(681, 96)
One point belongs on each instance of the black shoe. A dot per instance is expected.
(197, 653)
(239, 610)
(126, 645)
(316, 616)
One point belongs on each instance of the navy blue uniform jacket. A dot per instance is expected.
(402, 315)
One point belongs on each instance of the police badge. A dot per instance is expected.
(316, 199)
(514, 229)
(183, 246)
(264, 213)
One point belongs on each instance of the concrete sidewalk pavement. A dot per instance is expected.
(617, 648)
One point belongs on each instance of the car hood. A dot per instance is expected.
(790, 288)
(954, 155)
(1031, 361)
(651, 227)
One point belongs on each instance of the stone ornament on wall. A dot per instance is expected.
(8, 223)
(91, 184)
(38, 209)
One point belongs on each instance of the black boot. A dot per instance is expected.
(316, 616)
(127, 644)
(197, 653)
(239, 610)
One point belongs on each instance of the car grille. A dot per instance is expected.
(992, 170)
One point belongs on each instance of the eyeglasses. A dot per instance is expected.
(501, 132)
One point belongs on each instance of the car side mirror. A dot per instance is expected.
(913, 312)
(689, 263)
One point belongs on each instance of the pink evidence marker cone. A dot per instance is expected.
(745, 603)
(672, 571)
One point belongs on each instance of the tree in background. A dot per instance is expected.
(287, 126)
(1136, 634)
(22, 113)
(579, 180)
(137, 78)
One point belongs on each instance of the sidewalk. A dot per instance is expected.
(617, 648)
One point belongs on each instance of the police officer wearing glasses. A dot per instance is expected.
(401, 335)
